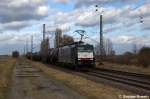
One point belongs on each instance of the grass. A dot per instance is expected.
(6, 66)
(126, 68)
(86, 87)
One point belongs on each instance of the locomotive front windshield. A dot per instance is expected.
(85, 52)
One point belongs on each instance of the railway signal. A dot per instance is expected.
(102, 51)
(141, 19)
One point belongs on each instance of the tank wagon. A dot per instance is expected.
(36, 56)
(78, 55)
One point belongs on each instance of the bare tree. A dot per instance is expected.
(97, 49)
(58, 38)
(135, 49)
(108, 47)
(67, 39)
(44, 48)
(143, 56)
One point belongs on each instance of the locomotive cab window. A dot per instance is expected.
(85, 53)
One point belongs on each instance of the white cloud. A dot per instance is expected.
(80, 3)
(141, 11)
(124, 39)
(15, 25)
(6, 38)
(42, 10)
(61, 1)
(19, 3)
(63, 27)
(17, 14)
(22, 10)
(112, 29)
(19, 38)
(88, 18)
(91, 18)
(146, 23)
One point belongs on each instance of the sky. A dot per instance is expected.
(125, 22)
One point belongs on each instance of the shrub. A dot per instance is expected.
(143, 56)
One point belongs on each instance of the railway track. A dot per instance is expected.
(137, 81)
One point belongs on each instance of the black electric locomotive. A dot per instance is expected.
(77, 55)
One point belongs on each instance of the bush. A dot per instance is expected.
(143, 56)
(127, 57)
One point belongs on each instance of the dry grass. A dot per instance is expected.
(127, 68)
(86, 87)
(6, 66)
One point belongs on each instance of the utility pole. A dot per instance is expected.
(44, 30)
(43, 45)
(102, 50)
(24, 50)
(26, 45)
(31, 46)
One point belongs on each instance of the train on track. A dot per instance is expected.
(77, 55)
(15, 54)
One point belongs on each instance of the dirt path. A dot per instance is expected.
(30, 83)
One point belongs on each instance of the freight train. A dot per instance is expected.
(77, 55)
(15, 54)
